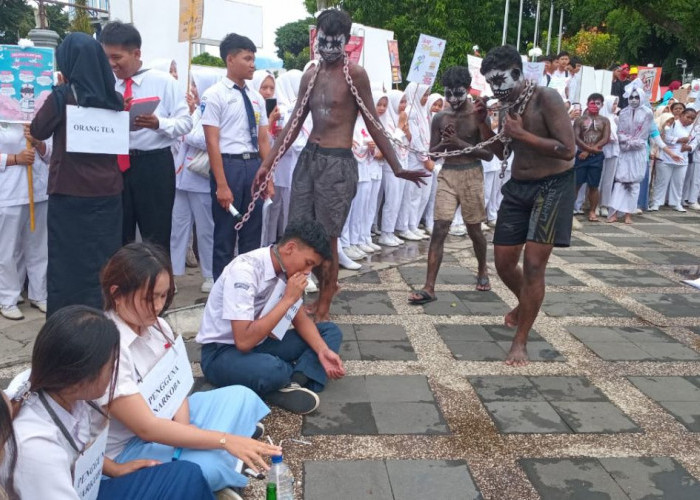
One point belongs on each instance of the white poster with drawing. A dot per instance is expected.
(426, 60)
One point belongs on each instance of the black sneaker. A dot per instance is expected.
(295, 399)
(259, 431)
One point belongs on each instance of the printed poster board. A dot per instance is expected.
(26, 78)
(394, 61)
(426, 60)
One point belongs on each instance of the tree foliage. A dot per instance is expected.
(293, 37)
(599, 50)
(16, 19)
(57, 20)
(206, 59)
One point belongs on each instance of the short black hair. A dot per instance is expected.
(679, 104)
(503, 58)
(233, 44)
(562, 54)
(689, 110)
(119, 33)
(456, 76)
(311, 233)
(335, 22)
(575, 61)
(596, 96)
(548, 58)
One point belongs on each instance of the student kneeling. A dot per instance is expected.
(244, 334)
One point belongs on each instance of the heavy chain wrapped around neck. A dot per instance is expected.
(519, 105)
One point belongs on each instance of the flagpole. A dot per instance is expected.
(537, 25)
(561, 30)
(549, 30)
(505, 23)
(520, 25)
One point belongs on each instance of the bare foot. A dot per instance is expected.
(511, 319)
(611, 219)
(311, 308)
(628, 219)
(592, 217)
(517, 355)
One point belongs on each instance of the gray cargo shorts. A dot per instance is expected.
(323, 186)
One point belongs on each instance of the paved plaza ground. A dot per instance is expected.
(608, 409)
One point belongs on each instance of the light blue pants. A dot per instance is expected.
(234, 410)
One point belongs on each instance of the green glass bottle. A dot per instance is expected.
(271, 491)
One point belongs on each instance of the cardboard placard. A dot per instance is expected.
(95, 130)
(26, 78)
(426, 60)
(191, 18)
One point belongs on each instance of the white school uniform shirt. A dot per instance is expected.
(192, 144)
(138, 354)
(671, 135)
(224, 108)
(240, 293)
(44, 455)
(14, 189)
(173, 114)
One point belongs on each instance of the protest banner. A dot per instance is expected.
(394, 61)
(651, 78)
(353, 48)
(533, 71)
(191, 20)
(479, 85)
(426, 60)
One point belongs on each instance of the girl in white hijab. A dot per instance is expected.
(415, 198)
(611, 151)
(264, 83)
(376, 165)
(165, 65)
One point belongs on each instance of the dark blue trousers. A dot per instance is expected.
(239, 176)
(269, 366)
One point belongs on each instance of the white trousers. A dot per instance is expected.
(580, 197)
(371, 212)
(691, 186)
(358, 213)
(19, 243)
(669, 179)
(277, 215)
(189, 207)
(428, 213)
(607, 178)
(393, 189)
(415, 198)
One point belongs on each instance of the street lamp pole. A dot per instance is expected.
(520, 24)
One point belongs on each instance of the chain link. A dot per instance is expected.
(519, 105)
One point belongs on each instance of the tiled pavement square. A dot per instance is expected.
(625, 478)
(632, 344)
(556, 276)
(667, 257)
(578, 242)
(549, 405)
(560, 304)
(491, 343)
(371, 277)
(630, 241)
(362, 303)
(662, 229)
(467, 303)
(389, 479)
(591, 257)
(448, 275)
(680, 396)
(672, 305)
(631, 277)
(377, 405)
(376, 342)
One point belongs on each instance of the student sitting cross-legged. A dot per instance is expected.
(245, 333)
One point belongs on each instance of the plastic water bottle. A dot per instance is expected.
(282, 477)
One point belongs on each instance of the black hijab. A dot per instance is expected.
(85, 67)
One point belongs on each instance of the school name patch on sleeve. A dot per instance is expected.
(242, 286)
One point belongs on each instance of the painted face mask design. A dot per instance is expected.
(330, 47)
(502, 81)
(634, 100)
(593, 107)
(456, 96)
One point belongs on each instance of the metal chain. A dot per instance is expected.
(522, 103)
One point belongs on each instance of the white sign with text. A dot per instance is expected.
(281, 328)
(95, 130)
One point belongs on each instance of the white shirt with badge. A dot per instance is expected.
(243, 292)
(224, 108)
(47, 464)
(173, 114)
(153, 364)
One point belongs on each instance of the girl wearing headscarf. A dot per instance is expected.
(165, 65)
(611, 151)
(264, 82)
(415, 197)
(376, 165)
(193, 194)
(393, 187)
(85, 204)
(434, 106)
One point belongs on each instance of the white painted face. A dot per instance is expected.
(331, 48)
(634, 100)
(456, 97)
(502, 81)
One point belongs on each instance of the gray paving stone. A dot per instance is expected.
(194, 351)
(526, 417)
(350, 389)
(601, 417)
(447, 304)
(360, 303)
(567, 389)
(588, 334)
(597, 228)
(537, 351)
(505, 389)
(348, 331)
(448, 275)
(380, 332)
(667, 388)
(571, 479)
(476, 351)
(578, 242)
(483, 303)
(630, 241)
(673, 305)
(463, 333)
(408, 418)
(652, 477)
(349, 350)
(201, 385)
(559, 304)
(669, 352)
(686, 412)
(502, 333)
(388, 350)
(631, 277)
(556, 276)
(618, 351)
(346, 479)
(340, 418)
(371, 277)
(434, 479)
(398, 388)
(591, 257)
(663, 229)
(667, 257)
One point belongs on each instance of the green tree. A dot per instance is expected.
(57, 19)
(16, 19)
(595, 49)
(206, 59)
(81, 21)
(293, 37)
(298, 61)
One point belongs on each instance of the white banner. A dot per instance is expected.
(478, 81)
(426, 60)
(95, 130)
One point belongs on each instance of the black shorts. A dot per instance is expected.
(540, 210)
(323, 186)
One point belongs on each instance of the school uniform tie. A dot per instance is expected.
(252, 125)
(124, 161)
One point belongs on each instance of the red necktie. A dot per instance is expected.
(123, 160)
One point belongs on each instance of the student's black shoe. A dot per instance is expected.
(259, 431)
(295, 399)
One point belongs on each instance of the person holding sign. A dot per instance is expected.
(85, 207)
(245, 333)
(60, 433)
(153, 417)
(160, 116)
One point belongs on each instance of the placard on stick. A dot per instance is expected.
(191, 18)
(426, 60)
